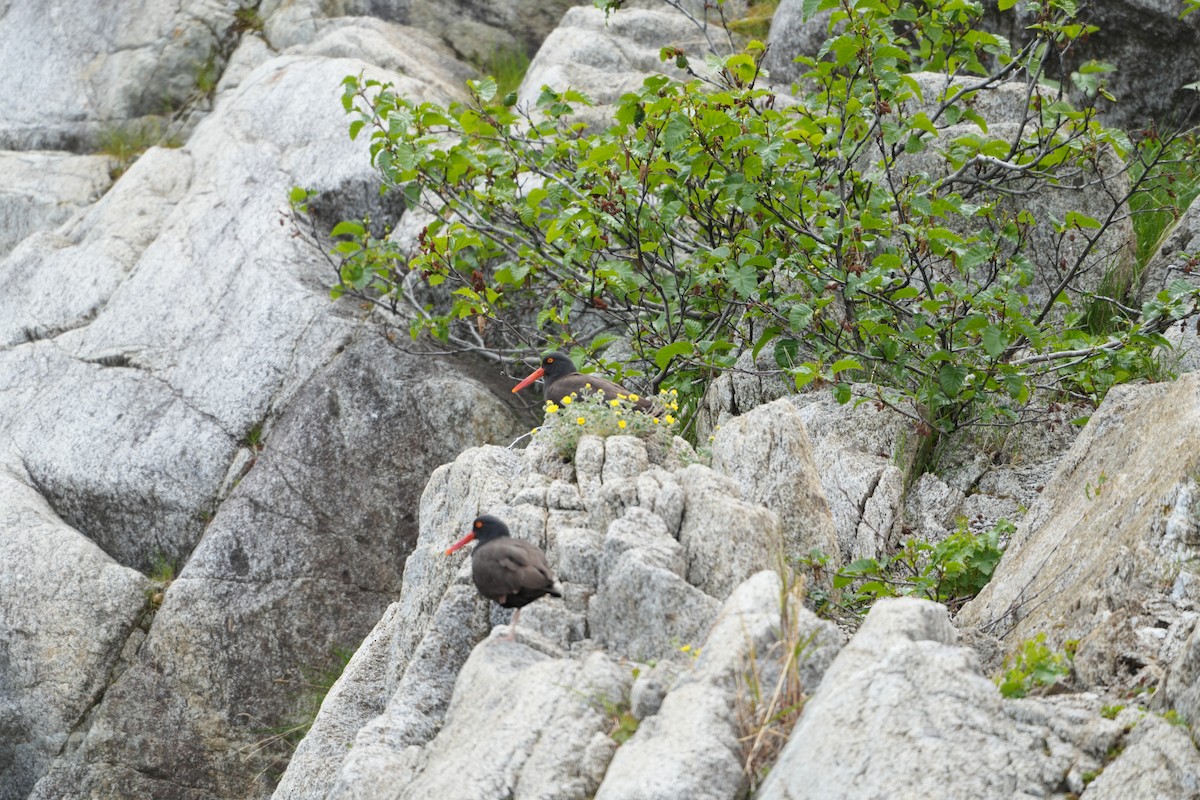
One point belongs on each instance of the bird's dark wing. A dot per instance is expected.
(512, 572)
(579, 383)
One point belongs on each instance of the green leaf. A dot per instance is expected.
(663, 355)
(486, 88)
(844, 364)
(348, 228)
(950, 378)
(1076, 220)
(800, 317)
(743, 279)
(994, 340)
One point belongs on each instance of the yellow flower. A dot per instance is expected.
(656, 420)
(674, 392)
(621, 424)
(670, 420)
(620, 396)
(567, 400)
(614, 403)
(633, 398)
(581, 420)
(551, 408)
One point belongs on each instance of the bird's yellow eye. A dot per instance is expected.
(549, 360)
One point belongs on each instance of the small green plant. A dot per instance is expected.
(951, 571)
(163, 569)
(1111, 712)
(593, 415)
(254, 437)
(207, 74)
(1172, 716)
(1092, 491)
(246, 20)
(623, 723)
(1035, 668)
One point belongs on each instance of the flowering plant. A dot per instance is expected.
(567, 422)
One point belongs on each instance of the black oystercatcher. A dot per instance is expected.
(562, 380)
(510, 571)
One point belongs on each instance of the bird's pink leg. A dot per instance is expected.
(512, 628)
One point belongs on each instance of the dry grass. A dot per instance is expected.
(771, 694)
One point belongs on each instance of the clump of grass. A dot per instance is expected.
(1157, 208)
(771, 696)
(126, 142)
(279, 742)
(507, 66)
(246, 20)
(756, 23)
(594, 415)
(207, 74)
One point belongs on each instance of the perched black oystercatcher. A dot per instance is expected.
(563, 380)
(510, 571)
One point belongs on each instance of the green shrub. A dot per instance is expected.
(712, 221)
(951, 571)
(1035, 668)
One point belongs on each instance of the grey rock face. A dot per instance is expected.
(791, 35)
(163, 335)
(901, 703)
(117, 62)
(690, 748)
(41, 190)
(67, 614)
(1153, 47)
(632, 590)
(478, 30)
(860, 452)
(1158, 760)
(1102, 556)
(607, 58)
(787, 482)
(296, 563)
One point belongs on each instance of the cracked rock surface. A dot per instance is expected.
(176, 388)
(434, 706)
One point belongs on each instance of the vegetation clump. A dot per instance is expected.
(872, 231)
(595, 415)
(951, 571)
(1035, 668)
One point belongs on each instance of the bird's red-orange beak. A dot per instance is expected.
(537, 373)
(461, 543)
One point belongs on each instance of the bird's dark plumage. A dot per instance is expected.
(563, 379)
(511, 572)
